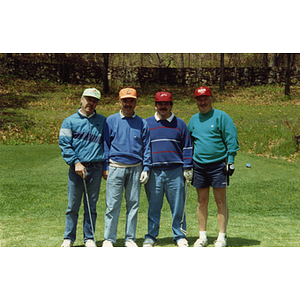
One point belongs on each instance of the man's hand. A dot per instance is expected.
(188, 175)
(229, 169)
(144, 177)
(80, 169)
(105, 174)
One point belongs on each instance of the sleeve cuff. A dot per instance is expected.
(230, 159)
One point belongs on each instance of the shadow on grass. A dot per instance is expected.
(14, 117)
(241, 242)
(168, 242)
(121, 242)
(235, 242)
(12, 100)
(231, 241)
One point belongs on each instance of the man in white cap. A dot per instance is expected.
(81, 143)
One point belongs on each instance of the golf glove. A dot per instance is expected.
(229, 169)
(188, 175)
(144, 177)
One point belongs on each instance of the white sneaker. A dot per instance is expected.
(107, 243)
(67, 243)
(130, 243)
(220, 243)
(149, 243)
(201, 242)
(90, 243)
(182, 243)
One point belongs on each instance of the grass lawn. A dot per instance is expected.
(263, 202)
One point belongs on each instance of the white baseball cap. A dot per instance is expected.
(92, 93)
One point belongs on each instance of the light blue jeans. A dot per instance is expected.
(75, 193)
(170, 183)
(118, 179)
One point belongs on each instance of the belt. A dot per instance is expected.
(87, 164)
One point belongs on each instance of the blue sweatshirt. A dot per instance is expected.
(214, 137)
(127, 140)
(81, 139)
(170, 143)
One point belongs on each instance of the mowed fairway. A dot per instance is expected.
(263, 203)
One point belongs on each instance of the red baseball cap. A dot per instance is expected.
(202, 91)
(163, 96)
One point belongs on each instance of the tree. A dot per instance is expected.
(64, 68)
(273, 60)
(162, 61)
(105, 73)
(222, 73)
(287, 74)
(182, 60)
(264, 60)
(235, 68)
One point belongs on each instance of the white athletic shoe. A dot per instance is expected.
(107, 244)
(90, 243)
(220, 243)
(182, 243)
(67, 243)
(201, 242)
(130, 243)
(149, 243)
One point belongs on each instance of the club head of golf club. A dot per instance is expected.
(183, 231)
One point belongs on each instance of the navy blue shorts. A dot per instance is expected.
(205, 175)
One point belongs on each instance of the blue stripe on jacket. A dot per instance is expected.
(88, 137)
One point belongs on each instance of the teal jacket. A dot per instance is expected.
(214, 137)
(81, 139)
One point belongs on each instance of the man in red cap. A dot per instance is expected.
(171, 153)
(215, 142)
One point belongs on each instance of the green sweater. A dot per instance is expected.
(214, 137)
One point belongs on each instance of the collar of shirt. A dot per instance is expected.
(122, 116)
(169, 119)
(84, 115)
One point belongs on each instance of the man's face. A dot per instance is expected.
(88, 105)
(204, 103)
(163, 109)
(127, 106)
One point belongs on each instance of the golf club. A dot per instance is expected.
(227, 183)
(226, 209)
(181, 222)
(89, 209)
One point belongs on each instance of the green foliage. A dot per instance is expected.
(267, 121)
(172, 60)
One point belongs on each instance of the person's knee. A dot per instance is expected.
(220, 197)
(203, 196)
(221, 203)
(203, 201)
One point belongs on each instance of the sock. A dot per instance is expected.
(221, 236)
(202, 234)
